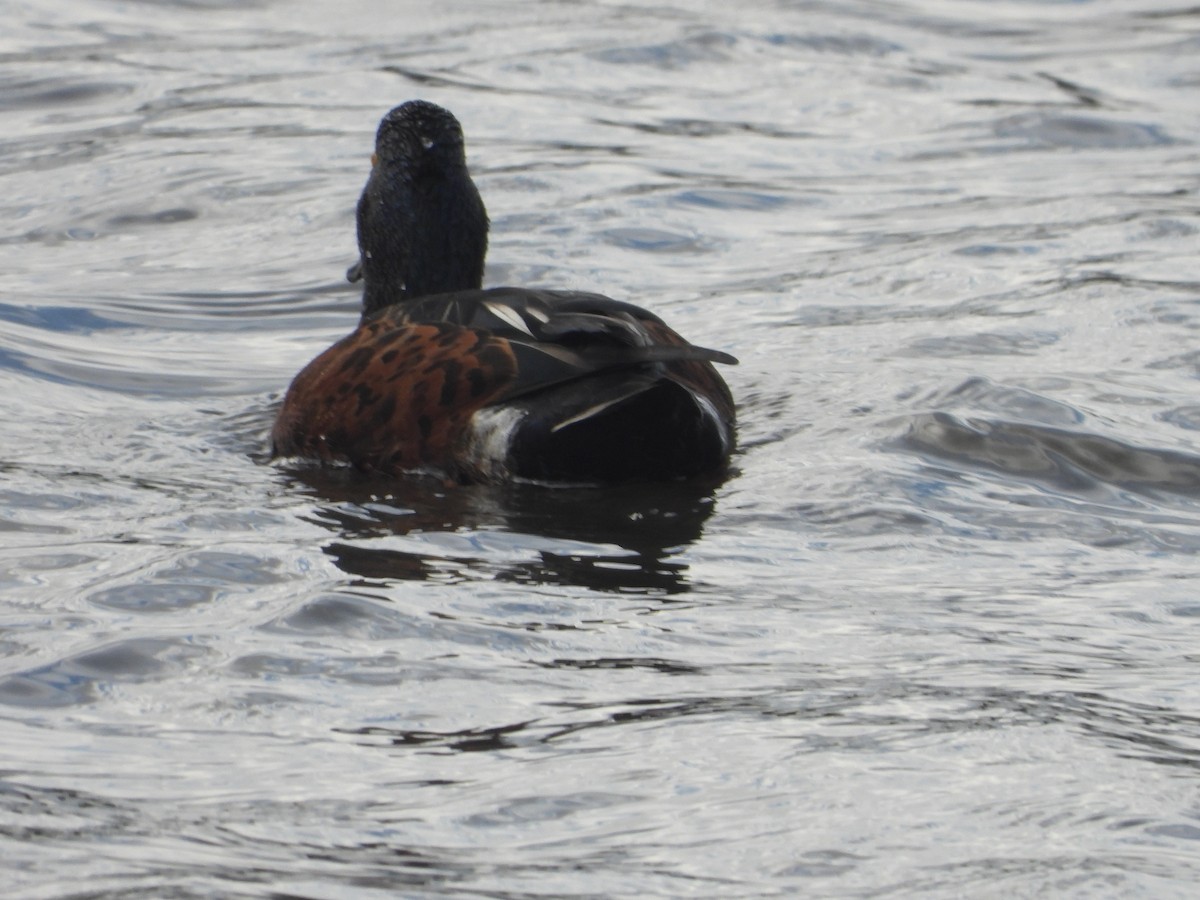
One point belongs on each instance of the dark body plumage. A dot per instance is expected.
(489, 385)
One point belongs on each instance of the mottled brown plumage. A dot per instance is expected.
(393, 397)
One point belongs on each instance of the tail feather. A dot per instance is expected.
(632, 426)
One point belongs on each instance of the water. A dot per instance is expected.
(935, 636)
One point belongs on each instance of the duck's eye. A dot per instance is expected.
(427, 142)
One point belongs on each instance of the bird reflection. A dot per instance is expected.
(613, 539)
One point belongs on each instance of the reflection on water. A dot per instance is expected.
(617, 538)
(933, 635)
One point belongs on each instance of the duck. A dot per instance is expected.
(444, 377)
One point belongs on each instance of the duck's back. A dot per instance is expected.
(490, 385)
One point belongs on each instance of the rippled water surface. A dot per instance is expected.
(936, 635)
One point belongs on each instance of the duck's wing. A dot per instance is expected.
(558, 336)
(402, 390)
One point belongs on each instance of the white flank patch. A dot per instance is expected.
(491, 434)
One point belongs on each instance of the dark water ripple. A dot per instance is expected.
(1073, 462)
(932, 636)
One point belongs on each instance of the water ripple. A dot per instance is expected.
(1073, 461)
(931, 636)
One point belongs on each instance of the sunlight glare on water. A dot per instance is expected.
(929, 638)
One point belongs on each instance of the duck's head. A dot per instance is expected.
(422, 227)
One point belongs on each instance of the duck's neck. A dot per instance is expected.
(420, 237)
